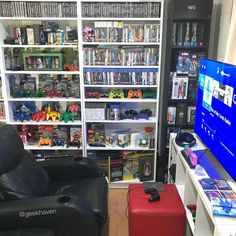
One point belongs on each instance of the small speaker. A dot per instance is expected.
(185, 138)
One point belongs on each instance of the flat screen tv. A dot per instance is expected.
(215, 121)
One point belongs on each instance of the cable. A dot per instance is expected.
(127, 207)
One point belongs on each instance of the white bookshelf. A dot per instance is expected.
(131, 103)
(78, 22)
(191, 192)
(6, 28)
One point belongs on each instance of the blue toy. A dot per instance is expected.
(22, 114)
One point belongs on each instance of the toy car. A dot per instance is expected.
(149, 94)
(134, 94)
(144, 114)
(116, 94)
(58, 142)
(130, 114)
(39, 115)
(67, 116)
(92, 94)
(74, 108)
(21, 116)
(104, 94)
(44, 141)
(70, 67)
(52, 115)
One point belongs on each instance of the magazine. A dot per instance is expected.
(221, 196)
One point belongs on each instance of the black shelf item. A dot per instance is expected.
(187, 40)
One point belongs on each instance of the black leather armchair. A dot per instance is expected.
(59, 197)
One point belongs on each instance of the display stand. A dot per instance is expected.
(191, 192)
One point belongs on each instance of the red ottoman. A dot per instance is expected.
(161, 218)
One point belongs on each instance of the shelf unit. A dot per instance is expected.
(188, 33)
(122, 46)
(191, 192)
(140, 44)
(26, 14)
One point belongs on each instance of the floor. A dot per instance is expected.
(117, 210)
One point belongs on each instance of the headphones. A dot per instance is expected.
(185, 138)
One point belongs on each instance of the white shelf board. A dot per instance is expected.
(120, 148)
(42, 72)
(151, 120)
(45, 123)
(120, 66)
(225, 230)
(3, 120)
(190, 220)
(35, 147)
(1, 99)
(38, 46)
(39, 18)
(42, 1)
(119, 19)
(120, 100)
(44, 99)
(122, 43)
(123, 183)
(180, 189)
(120, 86)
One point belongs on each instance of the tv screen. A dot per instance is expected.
(215, 121)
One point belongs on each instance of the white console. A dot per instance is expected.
(191, 192)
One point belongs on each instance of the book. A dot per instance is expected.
(179, 87)
(221, 196)
(183, 63)
(191, 113)
(116, 168)
(181, 113)
(192, 88)
(171, 114)
(146, 168)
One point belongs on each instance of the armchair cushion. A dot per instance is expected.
(93, 191)
(25, 181)
(28, 232)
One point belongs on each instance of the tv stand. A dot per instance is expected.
(191, 192)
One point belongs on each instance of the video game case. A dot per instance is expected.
(24, 35)
(186, 32)
(191, 113)
(30, 35)
(192, 88)
(171, 114)
(179, 38)
(146, 168)
(179, 87)
(201, 34)
(181, 113)
(36, 29)
(116, 169)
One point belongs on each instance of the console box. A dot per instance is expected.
(191, 9)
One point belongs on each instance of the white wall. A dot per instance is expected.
(220, 28)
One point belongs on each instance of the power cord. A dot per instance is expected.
(127, 207)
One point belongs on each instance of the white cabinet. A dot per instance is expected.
(191, 192)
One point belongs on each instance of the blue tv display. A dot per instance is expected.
(215, 121)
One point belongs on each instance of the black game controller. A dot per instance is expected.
(154, 194)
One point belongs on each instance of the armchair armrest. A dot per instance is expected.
(65, 214)
(65, 169)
